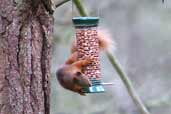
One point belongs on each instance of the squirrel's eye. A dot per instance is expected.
(78, 73)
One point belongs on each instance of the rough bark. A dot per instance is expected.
(25, 53)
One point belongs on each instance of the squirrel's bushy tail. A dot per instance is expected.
(106, 42)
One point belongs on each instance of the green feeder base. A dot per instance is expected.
(95, 88)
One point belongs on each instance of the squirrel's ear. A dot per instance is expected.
(78, 73)
(76, 77)
(75, 80)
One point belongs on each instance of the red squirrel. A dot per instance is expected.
(70, 74)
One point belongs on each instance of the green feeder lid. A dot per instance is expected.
(85, 21)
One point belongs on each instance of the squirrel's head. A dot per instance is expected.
(81, 79)
(68, 75)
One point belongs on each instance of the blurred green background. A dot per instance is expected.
(141, 30)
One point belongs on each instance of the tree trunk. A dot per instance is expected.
(25, 53)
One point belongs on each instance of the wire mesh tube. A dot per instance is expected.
(88, 46)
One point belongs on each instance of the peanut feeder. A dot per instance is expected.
(88, 46)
